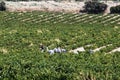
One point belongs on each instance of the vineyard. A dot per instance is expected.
(21, 33)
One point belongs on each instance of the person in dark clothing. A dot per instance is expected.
(42, 48)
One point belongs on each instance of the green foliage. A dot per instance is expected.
(2, 6)
(21, 34)
(94, 7)
(28, 66)
(115, 9)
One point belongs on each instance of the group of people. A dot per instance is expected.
(51, 51)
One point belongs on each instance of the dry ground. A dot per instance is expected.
(73, 7)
